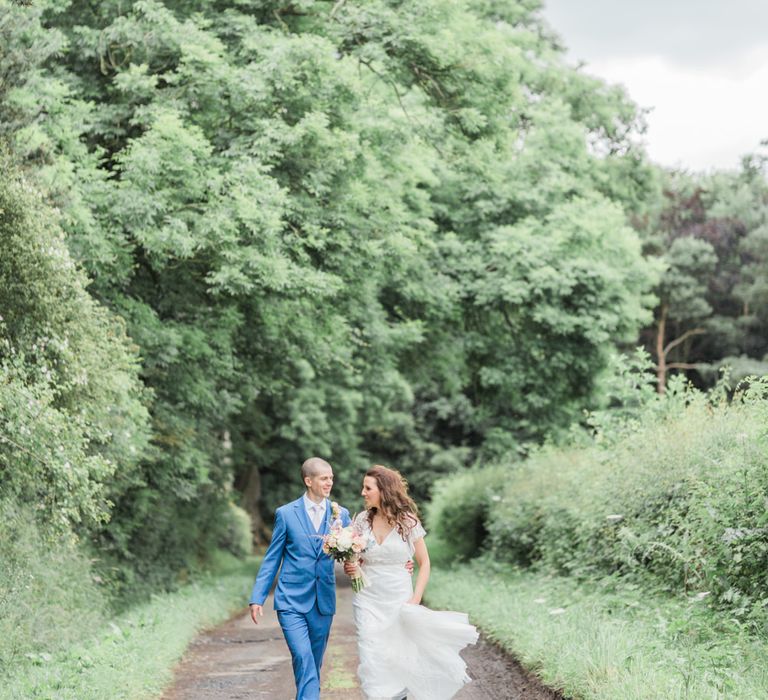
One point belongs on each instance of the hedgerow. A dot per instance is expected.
(679, 501)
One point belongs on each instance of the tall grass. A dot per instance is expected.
(49, 596)
(132, 655)
(627, 565)
(59, 636)
(607, 640)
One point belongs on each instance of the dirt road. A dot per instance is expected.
(241, 660)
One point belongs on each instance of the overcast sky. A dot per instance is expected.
(700, 65)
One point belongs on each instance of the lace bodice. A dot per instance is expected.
(393, 549)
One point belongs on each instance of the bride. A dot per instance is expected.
(405, 649)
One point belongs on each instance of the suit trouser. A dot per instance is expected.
(307, 636)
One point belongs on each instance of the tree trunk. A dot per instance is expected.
(252, 503)
(661, 355)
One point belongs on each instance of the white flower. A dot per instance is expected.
(557, 611)
(345, 540)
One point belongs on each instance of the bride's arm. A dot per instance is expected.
(421, 555)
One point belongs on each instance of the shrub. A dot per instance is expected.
(459, 509)
(236, 534)
(679, 502)
(49, 596)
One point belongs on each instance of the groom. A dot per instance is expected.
(305, 597)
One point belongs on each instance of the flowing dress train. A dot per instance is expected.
(404, 649)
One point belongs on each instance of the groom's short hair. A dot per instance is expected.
(312, 466)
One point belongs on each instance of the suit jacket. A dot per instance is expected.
(306, 573)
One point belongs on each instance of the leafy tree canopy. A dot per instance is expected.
(390, 230)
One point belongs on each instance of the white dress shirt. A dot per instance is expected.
(315, 511)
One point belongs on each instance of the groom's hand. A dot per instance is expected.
(256, 610)
(409, 566)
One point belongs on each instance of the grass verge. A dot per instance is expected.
(134, 655)
(607, 640)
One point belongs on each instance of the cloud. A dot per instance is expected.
(698, 119)
(700, 65)
(688, 32)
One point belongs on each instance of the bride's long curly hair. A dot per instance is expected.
(396, 505)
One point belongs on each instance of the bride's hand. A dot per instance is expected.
(414, 601)
(350, 568)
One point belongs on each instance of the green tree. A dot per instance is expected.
(708, 237)
(389, 231)
(72, 417)
(689, 262)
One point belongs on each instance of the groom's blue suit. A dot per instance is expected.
(305, 597)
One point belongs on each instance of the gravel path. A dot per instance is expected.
(241, 660)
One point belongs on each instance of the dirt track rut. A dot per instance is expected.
(240, 660)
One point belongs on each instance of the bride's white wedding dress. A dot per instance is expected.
(404, 648)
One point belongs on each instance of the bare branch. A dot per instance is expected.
(682, 339)
(37, 458)
(508, 319)
(683, 365)
(393, 84)
(277, 16)
(337, 7)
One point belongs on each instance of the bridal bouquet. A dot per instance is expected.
(346, 544)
